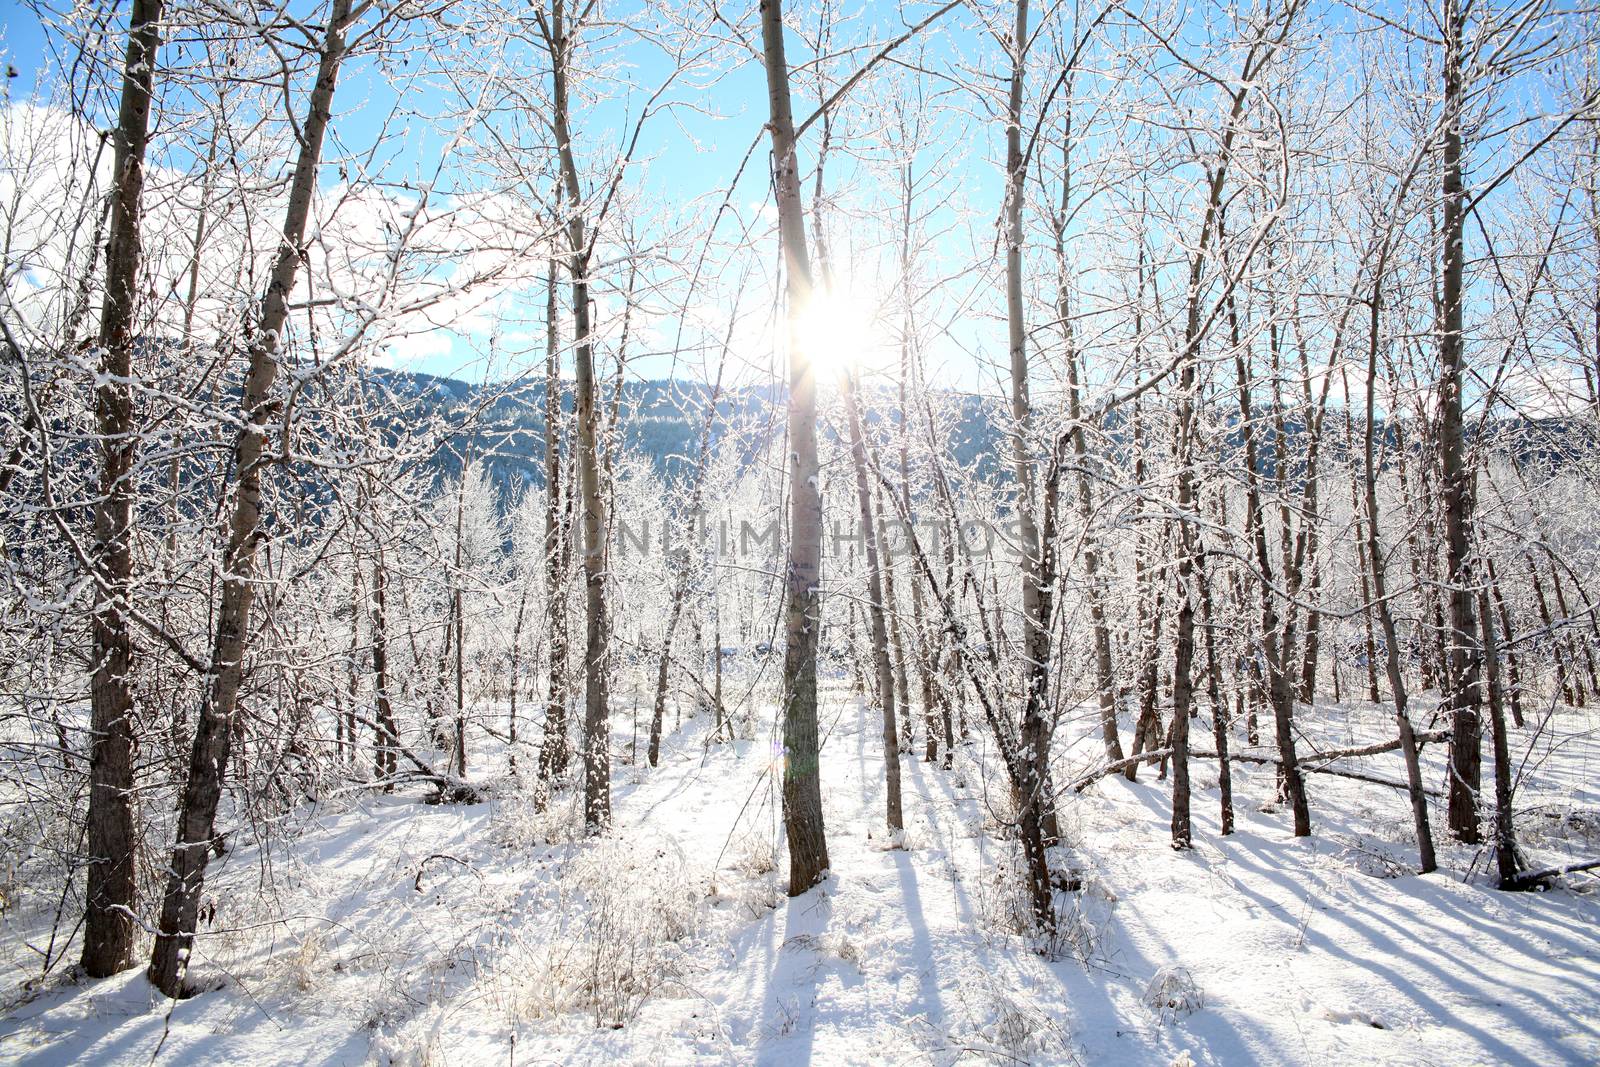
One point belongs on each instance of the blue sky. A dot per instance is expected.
(687, 156)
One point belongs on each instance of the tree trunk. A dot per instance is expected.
(214, 732)
(680, 588)
(1464, 664)
(1275, 637)
(1397, 685)
(553, 750)
(875, 612)
(457, 608)
(1034, 806)
(924, 645)
(1219, 708)
(1313, 645)
(596, 716)
(108, 929)
(1584, 681)
(1363, 570)
(516, 677)
(1508, 858)
(1105, 674)
(902, 681)
(659, 706)
(1557, 653)
(1188, 548)
(345, 717)
(1508, 636)
(716, 675)
(802, 787)
(388, 735)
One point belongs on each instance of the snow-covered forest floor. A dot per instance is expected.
(370, 928)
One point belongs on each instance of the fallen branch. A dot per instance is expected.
(1373, 750)
(1116, 767)
(451, 790)
(1529, 879)
(1244, 757)
(1356, 775)
(442, 856)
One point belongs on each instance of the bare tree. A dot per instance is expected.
(108, 917)
(215, 729)
(802, 785)
(560, 39)
(1465, 659)
(871, 545)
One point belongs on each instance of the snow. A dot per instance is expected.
(382, 929)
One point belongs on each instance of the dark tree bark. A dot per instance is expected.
(457, 611)
(1508, 637)
(596, 713)
(902, 680)
(387, 735)
(1219, 708)
(1508, 857)
(717, 707)
(1464, 662)
(345, 717)
(1276, 640)
(108, 929)
(214, 732)
(553, 752)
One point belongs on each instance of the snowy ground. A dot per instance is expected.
(386, 930)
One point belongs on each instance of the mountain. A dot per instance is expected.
(662, 420)
(659, 420)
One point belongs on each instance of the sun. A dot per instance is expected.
(838, 333)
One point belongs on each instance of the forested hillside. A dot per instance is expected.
(503, 424)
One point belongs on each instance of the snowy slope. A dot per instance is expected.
(396, 932)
